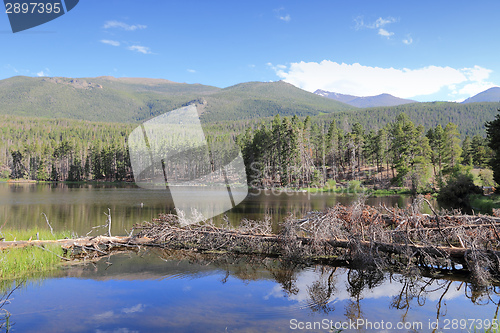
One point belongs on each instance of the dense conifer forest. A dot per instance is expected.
(279, 151)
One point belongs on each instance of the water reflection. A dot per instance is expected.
(79, 207)
(178, 291)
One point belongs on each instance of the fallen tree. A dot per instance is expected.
(357, 235)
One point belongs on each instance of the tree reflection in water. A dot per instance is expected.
(323, 291)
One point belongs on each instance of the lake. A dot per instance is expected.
(175, 291)
(78, 208)
(157, 290)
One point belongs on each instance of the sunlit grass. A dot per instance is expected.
(31, 261)
(33, 234)
(27, 262)
(485, 203)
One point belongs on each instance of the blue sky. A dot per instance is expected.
(424, 50)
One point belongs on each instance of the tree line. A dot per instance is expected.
(285, 151)
(291, 152)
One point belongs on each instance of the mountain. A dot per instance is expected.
(137, 99)
(264, 99)
(489, 95)
(95, 99)
(365, 102)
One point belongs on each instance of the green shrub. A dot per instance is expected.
(456, 193)
(330, 184)
(354, 186)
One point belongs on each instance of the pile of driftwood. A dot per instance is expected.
(357, 235)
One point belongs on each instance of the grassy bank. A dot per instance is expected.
(355, 186)
(484, 203)
(32, 261)
(33, 233)
(29, 261)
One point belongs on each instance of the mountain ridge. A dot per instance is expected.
(139, 99)
(366, 101)
(489, 95)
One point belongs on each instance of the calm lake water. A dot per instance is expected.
(171, 291)
(177, 291)
(78, 208)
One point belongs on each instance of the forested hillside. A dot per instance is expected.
(277, 126)
(264, 99)
(470, 118)
(287, 151)
(136, 100)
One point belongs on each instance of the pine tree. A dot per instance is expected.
(436, 139)
(480, 151)
(467, 151)
(452, 151)
(493, 130)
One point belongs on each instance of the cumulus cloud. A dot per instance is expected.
(140, 49)
(385, 33)
(476, 81)
(359, 80)
(123, 25)
(110, 42)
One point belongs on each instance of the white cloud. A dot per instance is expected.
(136, 308)
(191, 71)
(385, 33)
(43, 72)
(140, 49)
(110, 42)
(379, 24)
(383, 292)
(285, 18)
(124, 26)
(408, 40)
(477, 73)
(104, 315)
(475, 88)
(359, 80)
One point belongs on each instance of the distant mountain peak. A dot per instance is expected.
(489, 95)
(365, 102)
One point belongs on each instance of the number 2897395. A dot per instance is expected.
(32, 8)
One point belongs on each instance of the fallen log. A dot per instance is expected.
(341, 233)
(93, 243)
(80, 242)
